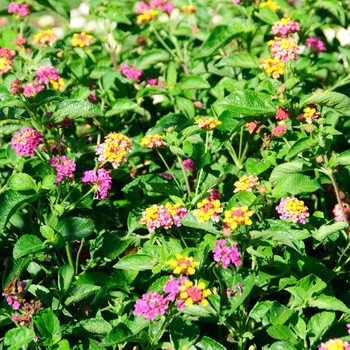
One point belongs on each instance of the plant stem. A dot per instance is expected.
(186, 178)
(69, 255)
(163, 42)
(201, 171)
(78, 254)
(169, 170)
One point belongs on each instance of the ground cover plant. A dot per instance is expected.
(174, 175)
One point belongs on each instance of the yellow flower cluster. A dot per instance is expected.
(58, 85)
(273, 66)
(146, 16)
(246, 183)
(270, 4)
(189, 9)
(207, 123)
(208, 209)
(194, 294)
(152, 141)
(82, 39)
(183, 265)
(237, 216)
(45, 37)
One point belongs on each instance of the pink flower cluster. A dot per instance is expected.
(226, 254)
(26, 141)
(335, 344)
(155, 82)
(284, 27)
(64, 167)
(47, 73)
(15, 87)
(284, 48)
(294, 209)
(131, 72)
(315, 44)
(338, 215)
(279, 131)
(282, 113)
(172, 288)
(163, 216)
(188, 164)
(150, 305)
(31, 89)
(163, 5)
(21, 10)
(102, 180)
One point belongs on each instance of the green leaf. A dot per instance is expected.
(135, 262)
(49, 182)
(291, 82)
(119, 334)
(242, 59)
(113, 245)
(339, 102)
(78, 293)
(289, 168)
(304, 144)
(21, 182)
(256, 166)
(185, 106)
(150, 58)
(334, 8)
(27, 244)
(207, 343)
(294, 184)
(72, 109)
(194, 82)
(171, 74)
(329, 303)
(92, 328)
(267, 15)
(280, 345)
(12, 102)
(282, 332)
(60, 7)
(319, 324)
(15, 338)
(46, 96)
(279, 314)
(49, 327)
(219, 37)
(191, 221)
(327, 229)
(248, 102)
(72, 228)
(343, 158)
(120, 106)
(65, 278)
(62, 345)
(115, 15)
(183, 332)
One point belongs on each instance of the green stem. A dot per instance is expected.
(69, 255)
(201, 171)
(167, 48)
(169, 170)
(78, 254)
(185, 177)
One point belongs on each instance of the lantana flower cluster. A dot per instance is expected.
(273, 66)
(21, 10)
(315, 44)
(6, 60)
(246, 183)
(208, 209)
(284, 48)
(114, 149)
(159, 215)
(46, 37)
(207, 123)
(181, 290)
(335, 344)
(101, 180)
(338, 215)
(183, 265)
(131, 72)
(26, 141)
(236, 217)
(294, 209)
(270, 4)
(64, 167)
(82, 39)
(284, 27)
(226, 254)
(153, 141)
(309, 114)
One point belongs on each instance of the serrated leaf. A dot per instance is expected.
(191, 221)
(219, 37)
(150, 58)
(282, 332)
(15, 338)
(207, 343)
(326, 302)
(319, 324)
(248, 102)
(300, 146)
(47, 96)
(49, 327)
(267, 15)
(27, 244)
(183, 332)
(72, 228)
(72, 109)
(294, 184)
(120, 106)
(65, 277)
(21, 182)
(242, 59)
(325, 230)
(12, 102)
(117, 335)
(194, 82)
(80, 292)
(135, 262)
(93, 327)
(279, 314)
(339, 102)
(289, 168)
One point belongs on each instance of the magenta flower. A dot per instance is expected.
(226, 255)
(282, 113)
(154, 82)
(163, 5)
(172, 287)
(26, 141)
(31, 89)
(47, 73)
(338, 215)
(315, 44)
(279, 131)
(64, 167)
(131, 72)
(150, 305)
(101, 180)
(142, 7)
(284, 27)
(188, 164)
(21, 10)
(294, 209)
